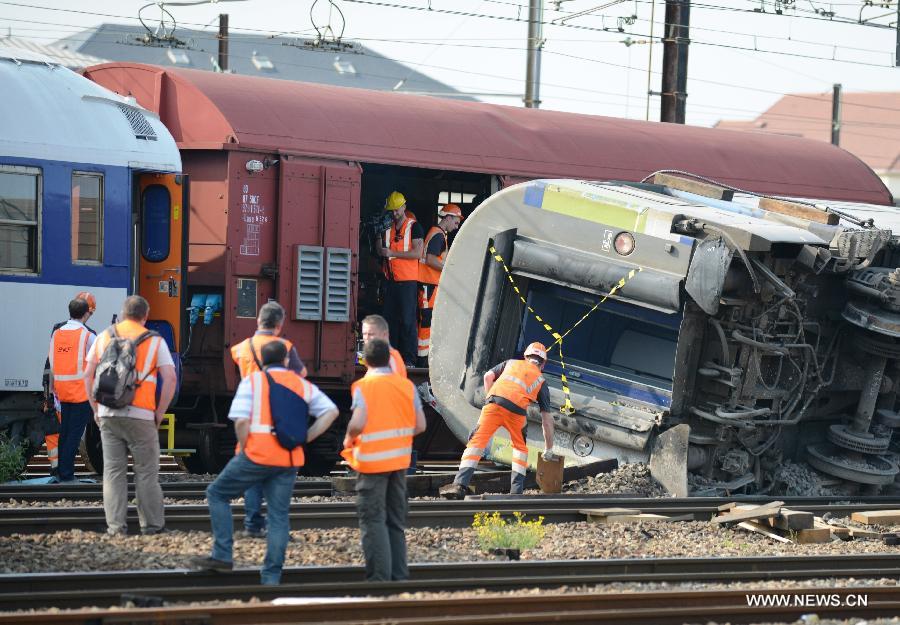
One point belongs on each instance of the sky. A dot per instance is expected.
(744, 54)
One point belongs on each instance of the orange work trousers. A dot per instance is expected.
(492, 417)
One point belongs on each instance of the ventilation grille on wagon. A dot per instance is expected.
(337, 288)
(309, 283)
(139, 124)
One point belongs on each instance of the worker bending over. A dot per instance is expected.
(386, 415)
(510, 388)
(430, 268)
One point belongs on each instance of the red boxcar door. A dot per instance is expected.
(162, 252)
(318, 240)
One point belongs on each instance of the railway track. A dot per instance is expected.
(75, 590)
(178, 490)
(423, 513)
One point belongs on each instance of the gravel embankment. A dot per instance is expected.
(76, 550)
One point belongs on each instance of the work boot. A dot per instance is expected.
(453, 491)
(253, 533)
(211, 564)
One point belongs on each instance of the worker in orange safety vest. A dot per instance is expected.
(430, 267)
(133, 428)
(69, 347)
(402, 247)
(376, 327)
(51, 402)
(387, 414)
(510, 388)
(261, 458)
(246, 355)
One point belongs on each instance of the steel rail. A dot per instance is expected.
(423, 513)
(73, 590)
(89, 492)
(660, 608)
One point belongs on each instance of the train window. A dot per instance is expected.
(20, 213)
(618, 341)
(87, 217)
(155, 223)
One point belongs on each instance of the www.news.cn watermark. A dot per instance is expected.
(807, 600)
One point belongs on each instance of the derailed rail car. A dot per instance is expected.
(768, 330)
(287, 178)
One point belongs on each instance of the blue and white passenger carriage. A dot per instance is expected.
(90, 199)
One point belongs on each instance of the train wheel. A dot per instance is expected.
(91, 449)
(211, 457)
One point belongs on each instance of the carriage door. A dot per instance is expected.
(161, 251)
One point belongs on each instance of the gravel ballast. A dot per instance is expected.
(77, 550)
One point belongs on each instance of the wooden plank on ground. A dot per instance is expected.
(859, 533)
(749, 514)
(793, 520)
(838, 531)
(599, 515)
(635, 518)
(726, 507)
(795, 209)
(877, 517)
(811, 536)
(759, 528)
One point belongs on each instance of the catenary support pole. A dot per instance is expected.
(836, 115)
(676, 39)
(223, 42)
(533, 61)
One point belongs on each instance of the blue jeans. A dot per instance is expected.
(254, 519)
(74, 418)
(277, 483)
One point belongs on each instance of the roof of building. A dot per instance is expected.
(204, 110)
(870, 124)
(260, 55)
(26, 49)
(48, 112)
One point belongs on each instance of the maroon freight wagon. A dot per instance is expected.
(284, 176)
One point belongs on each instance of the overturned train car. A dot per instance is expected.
(752, 331)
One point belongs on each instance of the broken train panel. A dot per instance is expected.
(769, 328)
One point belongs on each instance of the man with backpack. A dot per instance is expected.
(125, 365)
(273, 412)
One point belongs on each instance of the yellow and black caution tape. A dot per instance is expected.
(567, 408)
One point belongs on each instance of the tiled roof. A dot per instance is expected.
(870, 124)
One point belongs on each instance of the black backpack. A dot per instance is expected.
(290, 412)
(116, 379)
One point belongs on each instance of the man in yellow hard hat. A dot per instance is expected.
(402, 247)
(430, 267)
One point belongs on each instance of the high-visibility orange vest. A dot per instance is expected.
(145, 363)
(385, 444)
(68, 350)
(519, 383)
(243, 357)
(397, 365)
(400, 240)
(262, 446)
(428, 274)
